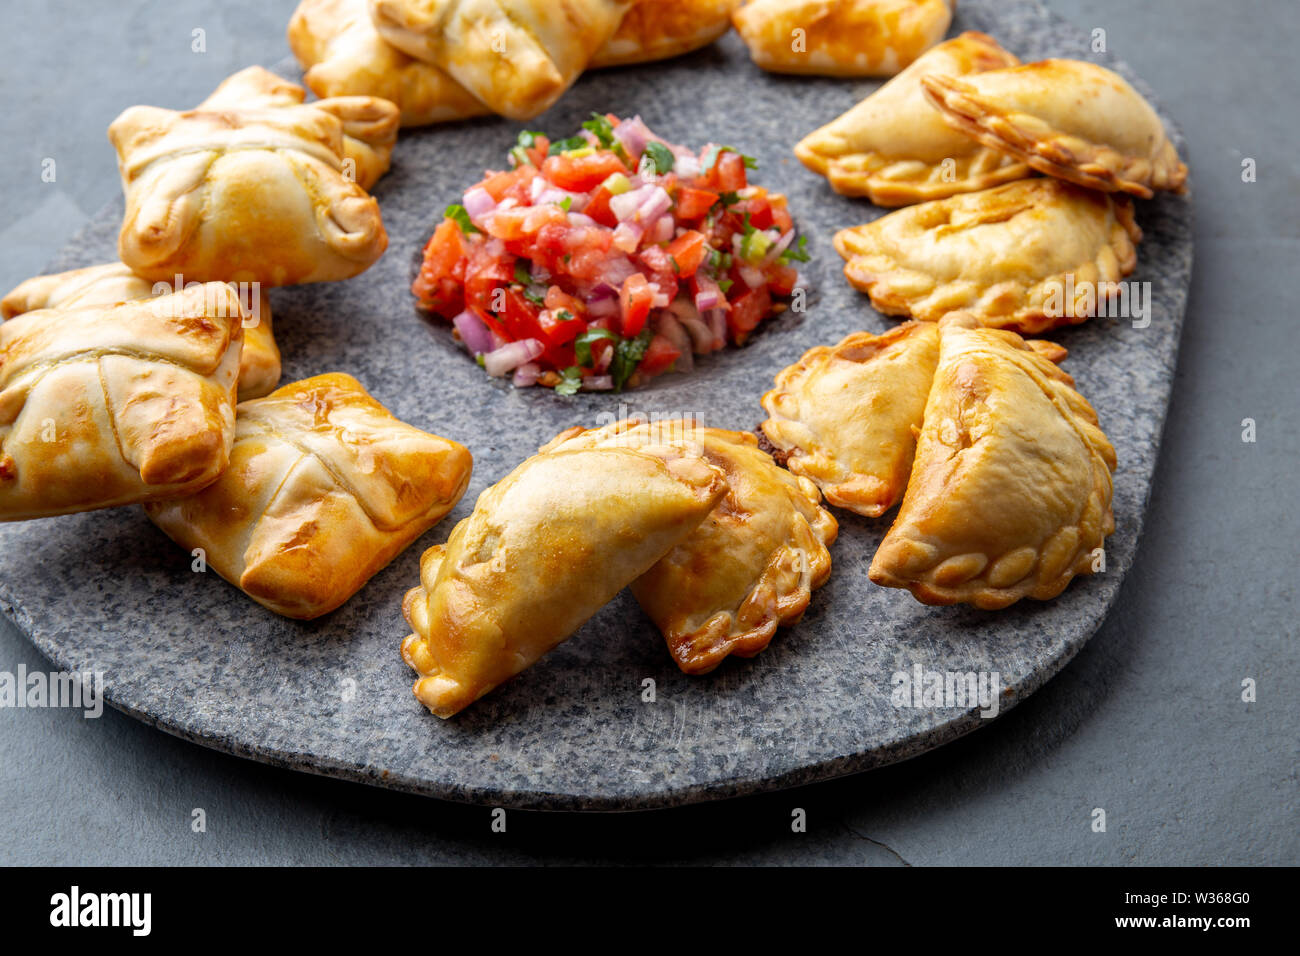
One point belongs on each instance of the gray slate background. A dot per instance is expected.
(1147, 722)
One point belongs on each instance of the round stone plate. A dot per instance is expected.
(192, 655)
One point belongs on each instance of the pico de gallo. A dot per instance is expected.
(599, 261)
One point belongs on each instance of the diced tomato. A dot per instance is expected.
(559, 331)
(497, 184)
(557, 300)
(635, 299)
(598, 208)
(537, 155)
(758, 210)
(781, 279)
(727, 174)
(440, 284)
(688, 251)
(747, 311)
(780, 214)
(694, 203)
(659, 356)
(520, 317)
(583, 173)
(484, 273)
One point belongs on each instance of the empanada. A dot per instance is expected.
(1009, 255)
(546, 547)
(1066, 118)
(896, 149)
(750, 566)
(517, 56)
(1010, 494)
(113, 406)
(252, 194)
(114, 283)
(344, 55)
(841, 37)
(659, 29)
(846, 416)
(325, 487)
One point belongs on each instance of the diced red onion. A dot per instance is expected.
(709, 296)
(602, 364)
(717, 320)
(662, 230)
(598, 383)
(475, 335)
(654, 205)
(751, 276)
(615, 270)
(602, 308)
(633, 134)
(779, 247)
(478, 202)
(625, 205)
(687, 166)
(536, 187)
(578, 219)
(511, 355)
(627, 236)
(526, 375)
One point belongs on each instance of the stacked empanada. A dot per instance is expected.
(1007, 473)
(442, 60)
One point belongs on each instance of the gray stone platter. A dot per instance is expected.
(191, 655)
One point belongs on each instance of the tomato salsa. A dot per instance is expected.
(599, 261)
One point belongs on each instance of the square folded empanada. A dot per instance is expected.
(1066, 118)
(324, 488)
(1008, 255)
(517, 56)
(343, 54)
(749, 567)
(104, 406)
(114, 283)
(846, 416)
(545, 548)
(268, 192)
(1010, 493)
(897, 149)
(841, 37)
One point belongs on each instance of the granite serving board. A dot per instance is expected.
(190, 654)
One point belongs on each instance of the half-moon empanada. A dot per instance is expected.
(113, 406)
(546, 547)
(659, 29)
(369, 122)
(896, 149)
(1066, 118)
(114, 283)
(256, 194)
(1009, 255)
(841, 37)
(344, 55)
(325, 487)
(517, 56)
(1011, 490)
(847, 415)
(749, 567)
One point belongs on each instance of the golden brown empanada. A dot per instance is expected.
(659, 29)
(750, 566)
(1006, 254)
(1010, 493)
(325, 487)
(1066, 118)
(257, 194)
(112, 406)
(896, 149)
(545, 548)
(114, 283)
(847, 415)
(344, 55)
(517, 56)
(369, 122)
(841, 37)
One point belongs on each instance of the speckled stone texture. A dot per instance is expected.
(191, 655)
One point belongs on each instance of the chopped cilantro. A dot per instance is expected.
(570, 381)
(566, 145)
(628, 354)
(582, 344)
(535, 297)
(456, 212)
(601, 129)
(676, 266)
(564, 315)
(660, 155)
(724, 285)
(729, 199)
(796, 252)
(522, 275)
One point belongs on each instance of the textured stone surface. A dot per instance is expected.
(191, 654)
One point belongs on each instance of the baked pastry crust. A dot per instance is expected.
(846, 416)
(343, 54)
(113, 406)
(1067, 118)
(749, 567)
(660, 29)
(113, 283)
(324, 488)
(897, 149)
(1011, 489)
(1004, 254)
(545, 548)
(258, 193)
(841, 37)
(516, 56)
